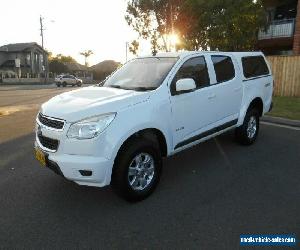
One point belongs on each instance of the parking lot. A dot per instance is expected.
(207, 196)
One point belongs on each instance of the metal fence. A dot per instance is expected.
(277, 29)
(286, 71)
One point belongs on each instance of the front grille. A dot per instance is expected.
(48, 143)
(51, 122)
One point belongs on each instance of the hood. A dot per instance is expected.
(86, 102)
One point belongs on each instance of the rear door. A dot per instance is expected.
(226, 91)
(73, 79)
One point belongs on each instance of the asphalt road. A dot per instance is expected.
(207, 196)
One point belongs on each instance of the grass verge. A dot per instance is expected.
(286, 107)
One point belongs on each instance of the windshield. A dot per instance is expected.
(141, 73)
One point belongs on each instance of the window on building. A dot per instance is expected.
(254, 66)
(286, 11)
(28, 59)
(224, 68)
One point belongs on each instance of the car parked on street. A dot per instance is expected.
(152, 107)
(64, 80)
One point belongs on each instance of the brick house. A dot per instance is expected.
(23, 58)
(282, 34)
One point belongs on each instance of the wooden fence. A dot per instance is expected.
(286, 71)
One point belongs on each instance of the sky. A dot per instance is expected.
(71, 27)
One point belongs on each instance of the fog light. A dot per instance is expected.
(85, 172)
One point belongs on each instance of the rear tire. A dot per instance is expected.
(64, 84)
(58, 85)
(248, 132)
(137, 170)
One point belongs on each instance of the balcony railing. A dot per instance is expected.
(278, 29)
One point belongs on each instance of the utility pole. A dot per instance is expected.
(42, 31)
(127, 51)
(44, 55)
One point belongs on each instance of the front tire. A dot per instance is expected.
(137, 170)
(248, 132)
(64, 84)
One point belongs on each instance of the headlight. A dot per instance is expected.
(90, 127)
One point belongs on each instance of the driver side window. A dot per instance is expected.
(194, 68)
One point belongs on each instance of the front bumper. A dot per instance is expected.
(74, 167)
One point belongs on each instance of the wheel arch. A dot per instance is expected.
(256, 102)
(152, 134)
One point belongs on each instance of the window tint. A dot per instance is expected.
(254, 66)
(194, 68)
(224, 68)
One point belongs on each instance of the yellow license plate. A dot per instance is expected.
(39, 155)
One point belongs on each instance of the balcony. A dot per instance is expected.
(278, 29)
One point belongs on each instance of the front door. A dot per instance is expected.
(190, 110)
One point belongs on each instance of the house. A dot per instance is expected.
(104, 69)
(79, 70)
(282, 34)
(23, 59)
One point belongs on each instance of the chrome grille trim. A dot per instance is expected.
(51, 123)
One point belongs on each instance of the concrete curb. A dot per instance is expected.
(25, 84)
(281, 121)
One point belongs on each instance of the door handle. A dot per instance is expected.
(212, 96)
(237, 89)
(267, 85)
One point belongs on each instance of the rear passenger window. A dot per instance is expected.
(224, 68)
(194, 68)
(254, 66)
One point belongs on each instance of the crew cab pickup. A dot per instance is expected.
(151, 108)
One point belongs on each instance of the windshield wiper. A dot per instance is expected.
(115, 86)
(132, 88)
(143, 88)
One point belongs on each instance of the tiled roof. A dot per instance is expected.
(16, 47)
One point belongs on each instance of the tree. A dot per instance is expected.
(64, 59)
(228, 25)
(86, 55)
(215, 24)
(153, 20)
(192, 26)
(134, 47)
(57, 63)
(56, 66)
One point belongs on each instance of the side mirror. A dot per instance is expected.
(186, 84)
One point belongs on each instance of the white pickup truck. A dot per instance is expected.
(152, 107)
